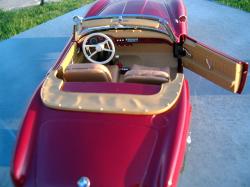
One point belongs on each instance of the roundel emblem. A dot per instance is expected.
(83, 182)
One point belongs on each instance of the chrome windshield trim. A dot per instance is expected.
(105, 28)
(150, 17)
(120, 18)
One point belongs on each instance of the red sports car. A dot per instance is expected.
(115, 110)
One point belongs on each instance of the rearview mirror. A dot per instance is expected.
(77, 19)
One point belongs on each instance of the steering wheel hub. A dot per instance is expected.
(99, 47)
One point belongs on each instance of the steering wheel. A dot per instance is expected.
(90, 50)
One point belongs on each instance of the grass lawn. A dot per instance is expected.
(241, 4)
(15, 21)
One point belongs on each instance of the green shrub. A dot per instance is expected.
(241, 4)
(16, 21)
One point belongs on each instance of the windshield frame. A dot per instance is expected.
(117, 23)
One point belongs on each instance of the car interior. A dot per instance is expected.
(119, 57)
(143, 57)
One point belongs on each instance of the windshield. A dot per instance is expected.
(124, 7)
(125, 22)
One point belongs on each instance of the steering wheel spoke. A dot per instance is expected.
(92, 54)
(106, 45)
(90, 45)
(109, 50)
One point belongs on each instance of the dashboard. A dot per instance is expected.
(125, 41)
(100, 48)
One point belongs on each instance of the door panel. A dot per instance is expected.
(219, 68)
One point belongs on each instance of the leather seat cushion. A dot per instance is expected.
(87, 72)
(140, 67)
(147, 75)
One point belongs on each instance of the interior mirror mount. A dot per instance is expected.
(77, 19)
(77, 26)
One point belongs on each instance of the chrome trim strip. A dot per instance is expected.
(105, 28)
(150, 17)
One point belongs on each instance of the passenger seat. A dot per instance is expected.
(147, 75)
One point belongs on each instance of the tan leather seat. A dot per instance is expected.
(114, 70)
(87, 72)
(147, 75)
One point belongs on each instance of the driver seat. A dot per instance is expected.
(87, 72)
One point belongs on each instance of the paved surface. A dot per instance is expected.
(220, 151)
(14, 4)
(25, 59)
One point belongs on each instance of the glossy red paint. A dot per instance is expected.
(112, 149)
(170, 10)
(244, 77)
(103, 87)
(143, 150)
(56, 147)
(180, 143)
(25, 143)
(97, 7)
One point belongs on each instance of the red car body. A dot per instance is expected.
(56, 147)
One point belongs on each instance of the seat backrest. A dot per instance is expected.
(147, 75)
(87, 72)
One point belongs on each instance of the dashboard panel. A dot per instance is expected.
(131, 41)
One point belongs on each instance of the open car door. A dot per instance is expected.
(219, 68)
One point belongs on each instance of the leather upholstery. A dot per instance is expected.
(141, 67)
(147, 75)
(87, 72)
(53, 96)
(114, 70)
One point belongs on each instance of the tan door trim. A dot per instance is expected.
(219, 68)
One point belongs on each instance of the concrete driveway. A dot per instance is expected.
(15, 4)
(220, 150)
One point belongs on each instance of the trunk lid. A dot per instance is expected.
(108, 154)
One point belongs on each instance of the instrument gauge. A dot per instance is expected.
(93, 41)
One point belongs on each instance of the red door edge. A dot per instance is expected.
(243, 77)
